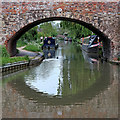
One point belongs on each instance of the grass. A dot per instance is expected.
(5, 57)
(6, 60)
(21, 43)
(34, 47)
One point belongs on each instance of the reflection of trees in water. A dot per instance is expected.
(78, 81)
(76, 77)
(101, 84)
(59, 90)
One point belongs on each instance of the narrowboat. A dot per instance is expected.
(49, 43)
(92, 46)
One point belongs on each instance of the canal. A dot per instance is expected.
(68, 84)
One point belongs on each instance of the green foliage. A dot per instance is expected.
(75, 30)
(5, 57)
(17, 50)
(47, 29)
(35, 47)
(21, 43)
(30, 35)
(0, 61)
(4, 51)
(6, 60)
(43, 30)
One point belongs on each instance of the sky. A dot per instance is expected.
(57, 21)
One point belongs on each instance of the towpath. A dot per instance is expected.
(23, 52)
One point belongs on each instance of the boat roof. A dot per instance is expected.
(50, 38)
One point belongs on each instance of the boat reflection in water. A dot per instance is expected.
(49, 53)
(92, 59)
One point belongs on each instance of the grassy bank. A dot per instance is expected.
(5, 57)
(6, 60)
(34, 47)
(21, 43)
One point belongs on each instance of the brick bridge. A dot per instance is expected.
(100, 17)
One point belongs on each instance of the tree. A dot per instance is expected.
(30, 35)
(74, 30)
(47, 29)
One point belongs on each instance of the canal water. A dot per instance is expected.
(69, 83)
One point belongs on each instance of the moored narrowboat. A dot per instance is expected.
(49, 43)
(92, 46)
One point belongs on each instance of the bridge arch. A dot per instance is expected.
(100, 17)
(13, 40)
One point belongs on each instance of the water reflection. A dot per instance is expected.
(63, 76)
(73, 79)
(92, 59)
(49, 53)
(67, 77)
(43, 79)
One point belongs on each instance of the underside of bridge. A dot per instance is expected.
(13, 40)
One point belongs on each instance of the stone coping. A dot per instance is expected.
(20, 64)
(13, 64)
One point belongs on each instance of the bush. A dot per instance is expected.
(4, 51)
(26, 58)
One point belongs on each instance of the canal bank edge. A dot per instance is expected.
(21, 65)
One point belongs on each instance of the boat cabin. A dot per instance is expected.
(48, 43)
